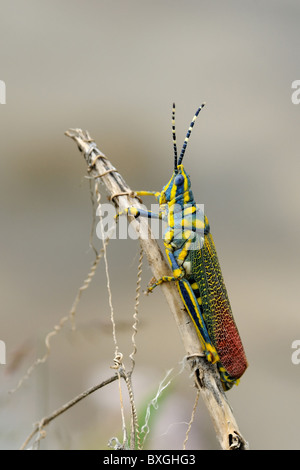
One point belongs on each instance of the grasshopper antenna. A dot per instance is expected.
(174, 138)
(188, 134)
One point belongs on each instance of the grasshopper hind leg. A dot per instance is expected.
(194, 310)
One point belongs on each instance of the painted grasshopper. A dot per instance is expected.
(192, 256)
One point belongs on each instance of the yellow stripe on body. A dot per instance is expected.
(173, 191)
(199, 224)
(169, 235)
(162, 196)
(186, 193)
(171, 219)
(187, 234)
(189, 210)
(184, 251)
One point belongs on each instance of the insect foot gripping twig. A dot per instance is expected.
(205, 375)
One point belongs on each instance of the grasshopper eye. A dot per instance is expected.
(179, 180)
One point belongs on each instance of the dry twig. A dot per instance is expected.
(39, 427)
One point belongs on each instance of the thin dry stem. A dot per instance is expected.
(191, 420)
(39, 427)
(136, 309)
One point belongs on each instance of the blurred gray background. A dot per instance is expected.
(114, 68)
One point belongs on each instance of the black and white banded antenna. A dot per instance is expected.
(188, 134)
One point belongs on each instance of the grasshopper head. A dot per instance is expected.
(178, 188)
